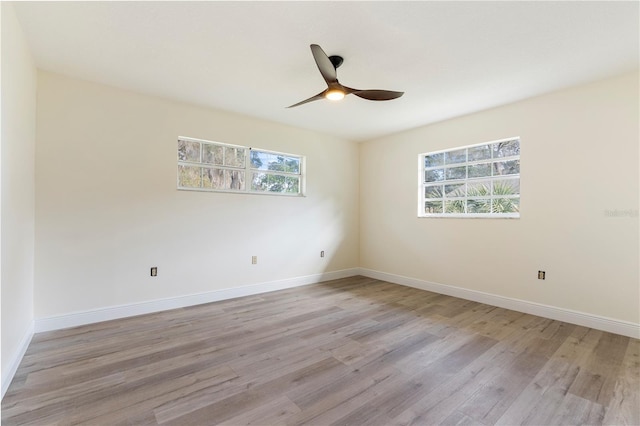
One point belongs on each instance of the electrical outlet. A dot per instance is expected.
(254, 260)
(154, 271)
(322, 253)
(541, 275)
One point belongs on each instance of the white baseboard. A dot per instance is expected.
(16, 359)
(574, 317)
(115, 312)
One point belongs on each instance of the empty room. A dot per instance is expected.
(322, 213)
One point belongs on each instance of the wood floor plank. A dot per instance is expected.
(490, 402)
(596, 381)
(460, 419)
(137, 405)
(355, 351)
(624, 408)
(275, 413)
(447, 396)
(395, 401)
(253, 397)
(347, 395)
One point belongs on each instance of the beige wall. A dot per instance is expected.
(579, 156)
(18, 106)
(107, 208)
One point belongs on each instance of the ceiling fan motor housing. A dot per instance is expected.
(336, 60)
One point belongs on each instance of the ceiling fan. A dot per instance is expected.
(336, 91)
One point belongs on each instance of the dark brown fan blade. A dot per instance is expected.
(376, 95)
(325, 66)
(311, 99)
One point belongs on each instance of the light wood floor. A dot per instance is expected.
(355, 351)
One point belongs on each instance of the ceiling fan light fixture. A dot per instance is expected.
(334, 94)
(336, 91)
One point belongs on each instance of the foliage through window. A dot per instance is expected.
(474, 181)
(213, 166)
(273, 172)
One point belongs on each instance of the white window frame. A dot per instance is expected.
(300, 175)
(247, 170)
(422, 184)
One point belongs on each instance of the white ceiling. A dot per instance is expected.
(450, 58)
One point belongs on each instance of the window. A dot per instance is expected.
(475, 181)
(274, 172)
(213, 166)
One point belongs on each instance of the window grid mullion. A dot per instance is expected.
(245, 169)
(473, 163)
(491, 179)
